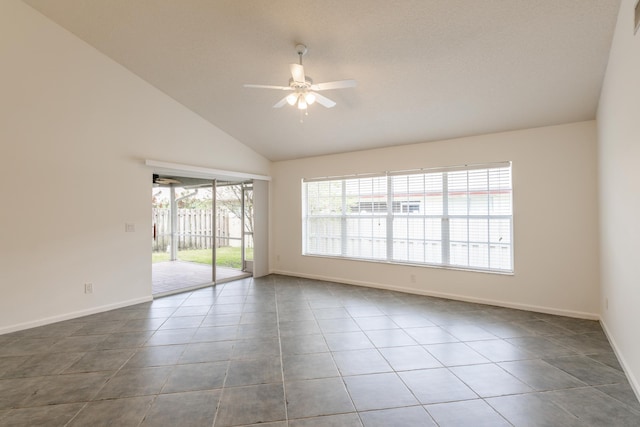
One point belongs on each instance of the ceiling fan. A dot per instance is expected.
(163, 180)
(304, 91)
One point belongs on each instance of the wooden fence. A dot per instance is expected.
(194, 229)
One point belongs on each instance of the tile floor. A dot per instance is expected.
(281, 351)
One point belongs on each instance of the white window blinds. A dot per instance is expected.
(458, 217)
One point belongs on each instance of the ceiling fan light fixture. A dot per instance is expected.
(302, 103)
(310, 98)
(292, 99)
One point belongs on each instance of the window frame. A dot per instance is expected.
(387, 217)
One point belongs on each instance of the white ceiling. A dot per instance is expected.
(426, 69)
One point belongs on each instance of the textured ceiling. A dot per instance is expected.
(426, 69)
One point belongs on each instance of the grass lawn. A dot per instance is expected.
(225, 257)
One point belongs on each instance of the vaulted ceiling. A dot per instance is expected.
(426, 69)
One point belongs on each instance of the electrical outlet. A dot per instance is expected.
(413, 278)
(129, 228)
(88, 288)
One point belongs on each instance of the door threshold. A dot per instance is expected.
(231, 279)
(181, 290)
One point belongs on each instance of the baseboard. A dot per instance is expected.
(633, 381)
(73, 315)
(457, 297)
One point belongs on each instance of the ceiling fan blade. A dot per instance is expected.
(281, 103)
(323, 100)
(268, 87)
(297, 72)
(340, 84)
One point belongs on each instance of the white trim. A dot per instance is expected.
(73, 315)
(633, 381)
(457, 297)
(189, 171)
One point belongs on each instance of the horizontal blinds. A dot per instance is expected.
(459, 217)
(493, 165)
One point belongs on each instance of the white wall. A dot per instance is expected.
(75, 128)
(619, 157)
(555, 222)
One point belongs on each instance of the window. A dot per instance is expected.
(456, 217)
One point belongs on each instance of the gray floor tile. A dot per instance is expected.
(156, 356)
(329, 326)
(500, 350)
(171, 337)
(364, 311)
(409, 358)
(50, 415)
(68, 388)
(622, 392)
(309, 366)
(118, 412)
(366, 395)
(348, 341)
(135, 382)
(100, 328)
(431, 335)
(540, 375)
(137, 325)
(341, 420)
(251, 405)
(408, 416)
(257, 330)
(390, 338)
(77, 344)
(533, 410)
(8, 364)
(455, 354)
(304, 344)
(44, 364)
(265, 370)
(357, 362)
(436, 386)
(296, 315)
(376, 323)
(258, 317)
(295, 328)
(103, 360)
(27, 346)
(13, 391)
(469, 332)
(585, 343)
(220, 333)
(257, 347)
(312, 398)
(588, 370)
(541, 347)
(595, 408)
(194, 377)
(540, 327)
(220, 320)
(122, 340)
(490, 380)
(182, 322)
(607, 358)
(507, 330)
(410, 321)
(193, 409)
(474, 413)
(207, 352)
